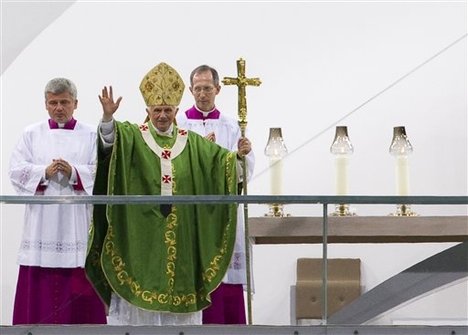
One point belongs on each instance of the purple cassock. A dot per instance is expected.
(56, 296)
(227, 306)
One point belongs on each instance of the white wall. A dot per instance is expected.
(318, 62)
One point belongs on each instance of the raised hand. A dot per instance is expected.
(109, 106)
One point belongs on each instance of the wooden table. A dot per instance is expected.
(359, 229)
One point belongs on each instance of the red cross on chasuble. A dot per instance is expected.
(166, 155)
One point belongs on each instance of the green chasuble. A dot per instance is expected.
(155, 262)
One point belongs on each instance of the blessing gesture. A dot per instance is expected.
(109, 106)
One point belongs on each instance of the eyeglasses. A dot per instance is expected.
(204, 89)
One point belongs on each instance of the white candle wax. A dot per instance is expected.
(276, 172)
(402, 175)
(341, 176)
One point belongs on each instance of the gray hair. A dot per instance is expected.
(204, 68)
(61, 85)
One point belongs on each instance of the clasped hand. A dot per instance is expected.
(59, 165)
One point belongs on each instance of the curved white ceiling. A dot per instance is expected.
(22, 22)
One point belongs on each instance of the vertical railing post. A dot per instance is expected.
(325, 265)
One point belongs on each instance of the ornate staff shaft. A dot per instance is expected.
(241, 82)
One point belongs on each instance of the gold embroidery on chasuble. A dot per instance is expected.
(214, 268)
(163, 299)
(119, 265)
(165, 154)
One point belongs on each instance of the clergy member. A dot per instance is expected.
(204, 118)
(55, 157)
(158, 264)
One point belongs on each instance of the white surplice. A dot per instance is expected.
(227, 133)
(122, 313)
(54, 235)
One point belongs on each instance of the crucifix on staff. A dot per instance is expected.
(241, 81)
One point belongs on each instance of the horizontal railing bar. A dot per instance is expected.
(223, 199)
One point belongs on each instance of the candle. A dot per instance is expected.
(341, 167)
(276, 171)
(402, 175)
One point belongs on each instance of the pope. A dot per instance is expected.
(158, 264)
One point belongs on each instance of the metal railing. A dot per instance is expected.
(247, 199)
(223, 199)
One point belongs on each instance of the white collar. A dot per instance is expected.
(167, 133)
(205, 114)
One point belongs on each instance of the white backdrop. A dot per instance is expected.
(318, 61)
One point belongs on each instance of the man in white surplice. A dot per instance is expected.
(205, 119)
(55, 157)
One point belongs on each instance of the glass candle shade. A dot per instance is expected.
(401, 148)
(276, 150)
(342, 149)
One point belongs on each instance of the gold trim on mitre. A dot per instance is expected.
(162, 85)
